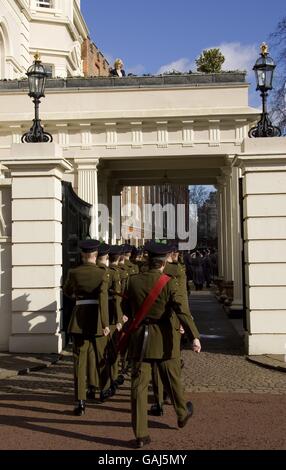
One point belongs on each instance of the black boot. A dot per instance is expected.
(156, 410)
(120, 379)
(90, 394)
(79, 410)
(104, 395)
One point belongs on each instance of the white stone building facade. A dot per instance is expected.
(55, 28)
(111, 133)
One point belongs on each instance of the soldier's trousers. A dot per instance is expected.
(114, 356)
(170, 373)
(92, 375)
(81, 351)
(157, 385)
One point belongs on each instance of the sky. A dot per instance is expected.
(154, 36)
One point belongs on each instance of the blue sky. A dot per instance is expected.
(153, 36)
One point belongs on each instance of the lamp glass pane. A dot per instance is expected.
(37, 84)
(269, 77)
(261, 78)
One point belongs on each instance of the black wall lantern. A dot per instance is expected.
(37, 76)
(264, 70)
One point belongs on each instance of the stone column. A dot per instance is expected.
(5, 261)
(103, 206)
(223, 219)
(116, 212)
(229, 223)
(237, 303)
(88, 189)
(37, 172)
(220, 231)
(264, 197)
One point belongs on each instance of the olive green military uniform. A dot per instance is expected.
(124, 279)
(124, 276)
(133, 268)
(143, 265)
(176, 271)
(163, 345)
(88, 283)
(115, 315)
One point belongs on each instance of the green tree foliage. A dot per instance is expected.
(210, 61)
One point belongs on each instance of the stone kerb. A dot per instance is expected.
(263, 164)
(37, 171)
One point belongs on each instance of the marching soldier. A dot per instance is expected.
(123, 270)
(129, 250)
(93, 378)
(115, 312)
(151, 337)
(88, 285)
(174, 269)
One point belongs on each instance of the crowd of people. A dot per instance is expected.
(131, 311)
(202, 267)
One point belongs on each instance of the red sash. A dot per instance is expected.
(143, 311)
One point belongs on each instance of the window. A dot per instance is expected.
(45, 3)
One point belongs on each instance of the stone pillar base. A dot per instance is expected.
(265, 343)
(34, 343)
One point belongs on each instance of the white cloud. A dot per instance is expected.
(238, 56)
(180, 65)
(138, 69)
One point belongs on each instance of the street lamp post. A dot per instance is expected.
(37, 76)
(264, 70)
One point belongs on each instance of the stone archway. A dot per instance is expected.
(2, 57)
(4, 48)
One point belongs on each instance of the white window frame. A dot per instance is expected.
(45, 3)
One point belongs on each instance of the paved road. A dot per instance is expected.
(238, 405)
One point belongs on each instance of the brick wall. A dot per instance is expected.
(94, 62)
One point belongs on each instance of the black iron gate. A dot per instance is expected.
(76, 222)
(242, 252)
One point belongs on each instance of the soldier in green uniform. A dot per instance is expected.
(93, 378)
(114, 316)
(115, 313)
(176, 270)
(132, 267)
(88, 285)
(123, 270)
(155, 340)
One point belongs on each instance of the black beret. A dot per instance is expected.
(158, 250)
(175, 246)
(115, 250)
(126, 248)
(89, 246)
(103, 249)
(134, 251)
